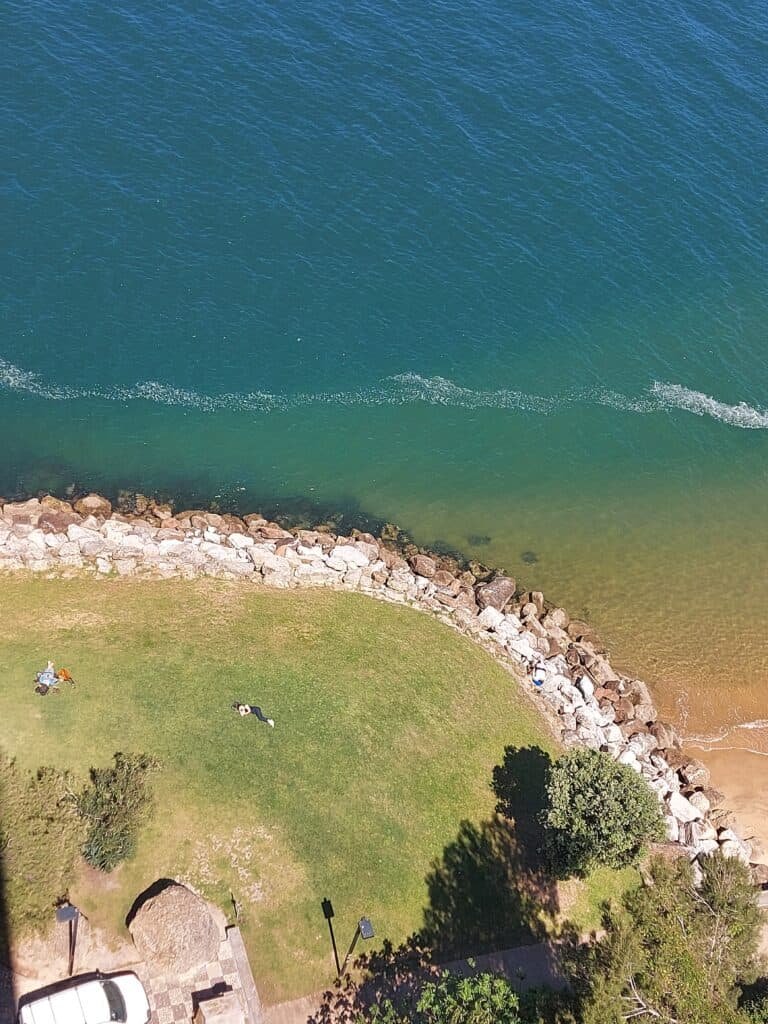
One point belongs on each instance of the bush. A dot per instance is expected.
(756, 1010)
(114, 805)
(480, 999)
(600, 813)
(40, 836)
(453, 999)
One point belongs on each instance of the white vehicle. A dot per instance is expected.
(89, 999)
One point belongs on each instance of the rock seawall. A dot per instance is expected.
(560, 659)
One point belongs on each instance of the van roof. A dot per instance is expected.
(82, 1004)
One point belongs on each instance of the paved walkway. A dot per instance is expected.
(173, 1000)
(525, 966)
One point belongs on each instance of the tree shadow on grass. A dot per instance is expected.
(519, 784)
(486, 893)
(489, 891)
(395, 973)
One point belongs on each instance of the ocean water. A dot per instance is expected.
(494, 272)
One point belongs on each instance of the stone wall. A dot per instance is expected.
(559, 660)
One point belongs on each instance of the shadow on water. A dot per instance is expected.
(31, 476)
(487, 892)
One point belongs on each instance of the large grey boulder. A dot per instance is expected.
(423, 565)
(175, 932)
(694, 773)
(665, 735)
(683, 809)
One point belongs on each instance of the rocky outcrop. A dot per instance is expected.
(559, 659)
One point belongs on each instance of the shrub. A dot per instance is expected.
(480, 999)
(755, 1010)
(453, 999)
(40, 836)
(600, 812)
(114, 805)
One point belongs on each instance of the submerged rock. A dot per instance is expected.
(94, 505)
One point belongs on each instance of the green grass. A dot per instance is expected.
(388, 727)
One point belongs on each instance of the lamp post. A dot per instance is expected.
(67, 914)
(328, 914)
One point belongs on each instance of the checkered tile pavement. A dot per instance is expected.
(173, 999)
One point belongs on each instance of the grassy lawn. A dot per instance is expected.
(388, 728)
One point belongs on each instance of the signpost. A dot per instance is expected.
(70, 915)
(364, 930)
(328, 914)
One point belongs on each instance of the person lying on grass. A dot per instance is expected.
(49, 679)
(252, 709)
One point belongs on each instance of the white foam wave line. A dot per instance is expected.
(675, 396)
(704, 748)
(718, 737)
(400, 389)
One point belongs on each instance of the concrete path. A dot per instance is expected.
(525, 966)
(248, 985)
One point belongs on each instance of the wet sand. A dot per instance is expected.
(743, 777)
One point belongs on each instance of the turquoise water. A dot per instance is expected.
(495, 272)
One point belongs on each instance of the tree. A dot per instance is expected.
(454, 999)
(675, 953)
(114, 804)
(600, 812)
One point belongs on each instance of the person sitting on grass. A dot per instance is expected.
(252, 709)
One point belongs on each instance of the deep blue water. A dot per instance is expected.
(250, 197)
(485, 269)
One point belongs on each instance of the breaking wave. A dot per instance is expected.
(718, 737)
(401, 389)
(714, 741)
(675, 396)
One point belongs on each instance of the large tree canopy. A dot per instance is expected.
(600, 813)
(674, 953)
